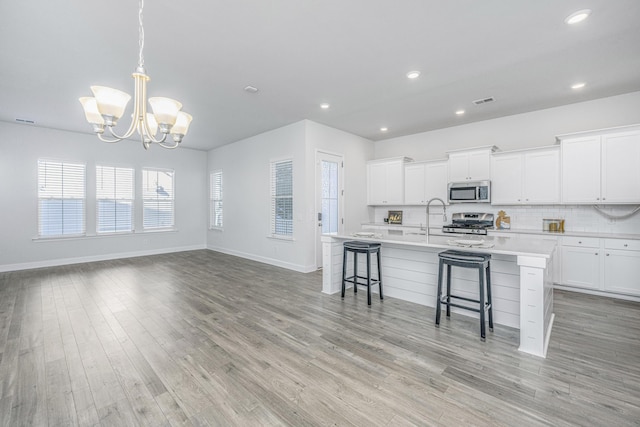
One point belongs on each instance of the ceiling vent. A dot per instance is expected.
(483, 100)
(27, 121)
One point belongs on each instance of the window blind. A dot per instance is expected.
(114, 199)
(61, 198)
(215, 208)
(158, 198)
(282, 198)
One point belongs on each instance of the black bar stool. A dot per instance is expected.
(361, 248)
(466, 260)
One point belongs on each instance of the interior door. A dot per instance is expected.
(329, 198)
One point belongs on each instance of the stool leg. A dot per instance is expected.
(481, 282)
(488, 274)
(379, 275)
(439, 292)
(355, 272)
(344, 270)
(368, 278)
(448, 290)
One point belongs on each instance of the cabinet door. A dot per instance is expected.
(506, 179)
(621, 168)
(414, 184)
(581, 170)
(394, 183)
(436, 177)
(541, 183)
(581, 267)
(621, 271)
(480, 165)
(376, 183)
(458, 167)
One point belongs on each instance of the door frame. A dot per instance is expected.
(319, 156)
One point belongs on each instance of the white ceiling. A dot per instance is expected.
(353, 54)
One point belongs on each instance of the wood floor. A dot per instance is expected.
(201, 338)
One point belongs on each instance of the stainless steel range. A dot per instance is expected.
(469, 223)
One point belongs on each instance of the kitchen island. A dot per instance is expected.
(521, 270)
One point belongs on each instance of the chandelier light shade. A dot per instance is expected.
(108, 105)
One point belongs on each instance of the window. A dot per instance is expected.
(61, 198)
(114, 199)
(158, 199)
(215, 209)
(282, 198)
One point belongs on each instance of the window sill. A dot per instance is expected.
(40, 239)
(282, 238)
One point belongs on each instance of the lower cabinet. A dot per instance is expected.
(606, 265)
(622, 266)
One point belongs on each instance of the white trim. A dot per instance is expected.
(607, 294)
(265, 260)
(94, 258)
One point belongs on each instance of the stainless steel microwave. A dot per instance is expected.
(469, 192)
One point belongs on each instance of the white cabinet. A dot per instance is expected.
(527, 177)
(581, 262)
(424, 181)
(385, 181)
(470, 165)
(622, 266)
(601, 168)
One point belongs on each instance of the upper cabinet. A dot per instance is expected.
(424, 181)
(470, 165)
(526, 177)
(601, 167)
(385, 181)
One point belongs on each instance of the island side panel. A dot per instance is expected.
(536, 295)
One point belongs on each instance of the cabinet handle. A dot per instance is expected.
(625, 245)
(604, 198)
(580, 242)
(597, 198)
(607, 254)
(596, 253)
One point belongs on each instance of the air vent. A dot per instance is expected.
(483, 100)
(25, 121)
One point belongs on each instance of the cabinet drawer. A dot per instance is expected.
(586, 242)
(623, 244)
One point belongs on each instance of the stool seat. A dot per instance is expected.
(480, 261)
(367, 248)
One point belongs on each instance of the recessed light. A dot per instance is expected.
(324, 106)
(383, 129)
(251, 89)
(578, 86)
(413, 74)
(460, 112)
(578, 16)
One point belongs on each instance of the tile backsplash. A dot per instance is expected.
(580, 218)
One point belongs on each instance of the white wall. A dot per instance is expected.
(245, 166)
(534, 129)
(20, 148)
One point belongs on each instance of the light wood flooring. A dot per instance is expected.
(201, 338)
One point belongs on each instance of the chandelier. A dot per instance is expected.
(107, 106)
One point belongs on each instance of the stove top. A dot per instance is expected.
(469, 223)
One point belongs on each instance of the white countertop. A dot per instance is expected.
(523, 245)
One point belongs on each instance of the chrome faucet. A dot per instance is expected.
(444, 213)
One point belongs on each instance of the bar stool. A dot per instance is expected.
(466, 260)
(356, 248)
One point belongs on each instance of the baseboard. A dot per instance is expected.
(265, 260)
(94, 258)
(596, 292)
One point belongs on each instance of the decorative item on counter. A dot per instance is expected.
(503, 222)
(553, 225)
(395, 217)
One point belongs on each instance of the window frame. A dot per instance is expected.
(274, 197)
(213, 200)
(40, 198)
(146, 200)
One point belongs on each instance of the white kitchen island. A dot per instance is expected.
(522, 288)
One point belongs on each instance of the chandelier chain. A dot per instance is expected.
(140, 36)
